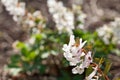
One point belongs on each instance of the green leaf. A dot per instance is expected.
(30, 56)
(20, 45)
(64, 76)
(42, 68)
(24, 51)
(38, 37)
(78, 77)
(15, 58)
(88, 70)
(14, 61)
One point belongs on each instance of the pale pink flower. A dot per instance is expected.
(72, 52)
(90, 77)
(88, 59)
(78, 70)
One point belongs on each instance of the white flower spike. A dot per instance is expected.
(74, 53)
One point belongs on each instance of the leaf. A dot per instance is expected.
(15, 58)
(14, 61)
(24, 51)
(20, 45)
(42, 68)
(30, 56)
(107, 67)
(78, 77)
(38, 37)
(88, 71)
(64, 76)
(99, 60)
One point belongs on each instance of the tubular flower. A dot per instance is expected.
(88, 60)
(81, 59)
(91, 76)
(74, 53)
(78, 69)
(84, 63)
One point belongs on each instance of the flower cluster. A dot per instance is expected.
(34, 20)
(110, 32)
(105, 33)
(15, 8)
(115, 25)
(80, 16)
(21, 16)
(78, 57)
(62, 16)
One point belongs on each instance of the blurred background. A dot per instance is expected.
(98, 13)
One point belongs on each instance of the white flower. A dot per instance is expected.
(15, 8)
(105, 33)
(95, 78)
(115, 25)
(63, 17)
(102, 31)
(31, 40)
(78, 69)
(9, 2)
(37, 14)
(19, 10)
(110, 31)
(80, 16)
(88, 60)
(31, 18)
(30, 23)
(90, 77)
(84, 64)
(73, 52)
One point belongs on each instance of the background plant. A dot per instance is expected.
(43, 49)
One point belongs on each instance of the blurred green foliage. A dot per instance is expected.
(31, 56)
(99, 48)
